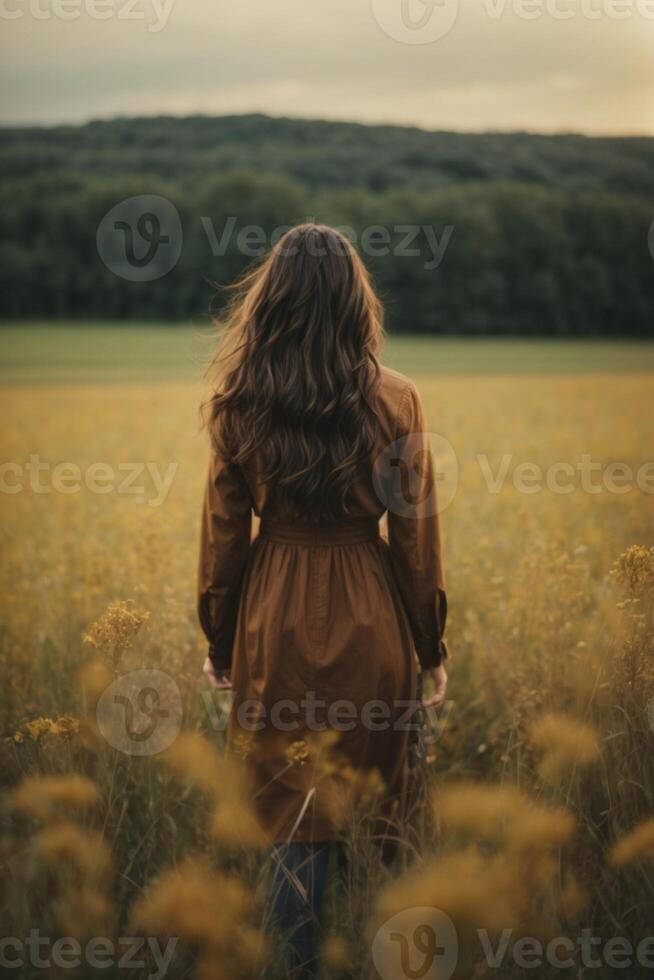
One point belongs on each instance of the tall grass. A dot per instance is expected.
(537, 809)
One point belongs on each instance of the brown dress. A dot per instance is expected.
(324, 628)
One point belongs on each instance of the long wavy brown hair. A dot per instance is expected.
(295, 371)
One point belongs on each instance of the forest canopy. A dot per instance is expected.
(464, 233)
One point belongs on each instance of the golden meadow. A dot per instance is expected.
(538, 810)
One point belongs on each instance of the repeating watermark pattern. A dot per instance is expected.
(423, 942)
(143, 479)
(563, 477)
(562, 10)
(140, 239)
(374, 241)
(416, 21)
(154, 13)
(148, 955)
(417, 942)
(313, 714)
(417, 475)
(141, 713)
(428, 21)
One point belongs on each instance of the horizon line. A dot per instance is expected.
(367, 124)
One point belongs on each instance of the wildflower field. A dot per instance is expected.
(538, 833)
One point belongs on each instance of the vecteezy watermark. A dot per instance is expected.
(313, 714)
(374, 241)
(568, 9)
(562, 477)
(140, 239)
(42, 477)
(140, 713)
(417, 475)
(148, 955)
(416, 21)
(417, 942)
(153, 12)
(427, 21)
(423, 942)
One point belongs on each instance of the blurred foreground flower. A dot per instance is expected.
(636, 845)
(223, 779)
(503, 871)
(335, 952)
(44, 797)
(68, 846)
(211, 912)
(504, 815)
(564, 744)
(94, 679)
(70, 866)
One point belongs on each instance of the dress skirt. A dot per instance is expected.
(324, 681)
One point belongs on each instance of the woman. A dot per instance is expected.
(318, 617)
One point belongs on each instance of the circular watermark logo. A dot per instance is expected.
(417, 475)
(417, 942)
(140, 713)
(140, 239)
(416, 21)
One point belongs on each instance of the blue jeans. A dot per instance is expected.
(297, 892)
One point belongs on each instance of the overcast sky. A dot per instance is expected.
(484, 64)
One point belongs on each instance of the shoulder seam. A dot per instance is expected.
(405, 391)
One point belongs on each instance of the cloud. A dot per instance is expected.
(334, 59)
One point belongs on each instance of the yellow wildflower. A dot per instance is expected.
(44, 796)
(564, 743)
(67, 845)
(114, 632)
(638, 843)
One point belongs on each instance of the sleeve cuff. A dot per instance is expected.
(221, 661)
(430, 656)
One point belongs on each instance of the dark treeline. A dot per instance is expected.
(488, 233)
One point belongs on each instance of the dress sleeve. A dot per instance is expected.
(224, 547)
(414, 533)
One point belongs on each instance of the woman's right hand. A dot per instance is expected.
(439, 677)
(221, 680)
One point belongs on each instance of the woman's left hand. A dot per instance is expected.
(221, 680)
(439, 677)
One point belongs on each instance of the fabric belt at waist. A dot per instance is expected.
(353, 531)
